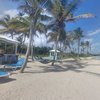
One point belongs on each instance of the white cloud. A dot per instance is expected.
(91, 33)
(88, 39)
(11, 12)
(45, 12)
(1, 16)
(39, 40)
(95, 45)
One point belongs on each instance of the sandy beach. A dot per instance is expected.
(70, 80)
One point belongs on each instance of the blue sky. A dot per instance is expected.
(91, 27)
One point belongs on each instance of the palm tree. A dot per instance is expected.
(78, 35)
(87, 46)
(83, 45)
(7, 28)
(69, 42)
(62, 11)
(59, 12)
(33, 9)
(22, 26)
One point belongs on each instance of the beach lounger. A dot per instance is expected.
(4, 74)
(16, 65)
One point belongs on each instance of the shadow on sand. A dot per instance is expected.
(6, 80)
(70, 65)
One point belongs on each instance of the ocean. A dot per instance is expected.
(97, 57)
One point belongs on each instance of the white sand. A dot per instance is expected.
(68, 81)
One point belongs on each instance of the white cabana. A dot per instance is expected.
(9, 41)
(52, 53)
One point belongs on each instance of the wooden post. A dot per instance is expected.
(16, 48)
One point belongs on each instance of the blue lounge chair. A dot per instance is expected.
(16, 65)
(4, 74)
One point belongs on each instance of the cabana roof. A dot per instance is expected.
(8, 40)
(54, 51)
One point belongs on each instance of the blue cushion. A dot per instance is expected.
(2, 73)
(18, 64)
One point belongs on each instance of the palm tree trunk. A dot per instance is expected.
(56, 44)
(12, 35)
(28, 48)
(54, 57)
(78, 47)
(22, 45)
(87, 51)
(32, 50)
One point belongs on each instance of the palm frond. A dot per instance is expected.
(71, 7)
(82, 16)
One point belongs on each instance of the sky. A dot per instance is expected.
(90, 27)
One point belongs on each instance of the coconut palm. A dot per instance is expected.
(7, 28)
(52, 37)
(59, 12)
(22, 26)
(78, 35)
(87, 46)
(69, 42)
(33, 8)
(62, 11)
(83, 45)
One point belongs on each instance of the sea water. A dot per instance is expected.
(97, 57)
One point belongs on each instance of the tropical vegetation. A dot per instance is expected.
(48, 17)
